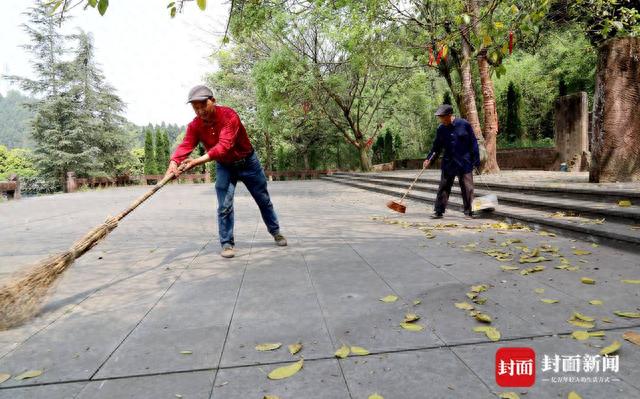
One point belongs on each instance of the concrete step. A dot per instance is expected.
(611, 232)
(582, 207)
(599, 193)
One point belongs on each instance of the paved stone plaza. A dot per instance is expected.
(154, 312)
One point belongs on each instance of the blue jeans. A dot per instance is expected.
(251, 174)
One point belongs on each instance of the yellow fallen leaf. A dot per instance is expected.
(539, 290)
(509, 395)
(482, 328)
(493, 334)
(270, 397)
(547, 234)
(509, 268)
(389, 298)
(611, 348)
(342, 352)
(417, 302)
(630, 336)
(537, 259)
(410, 317)
(4, 377)
(286, 371)
(631, 281)
(471, 295)
(624, 203)
(580, 335)
(359, 351)
(186, 352)
(606, 320)
(632, 315)
(268, 346)
(375, 396)
(464, 305)
(29, 374)
(574, 395)
(581, 324)
(573, 268)
(479, 301)
(594, 245)
(412, 326)
(595, 302)
(483, 317)
(582, 317)
(596, 334)
(550, 300)
(479, 288)
(587, 280)
(580, 252)
(295, 348)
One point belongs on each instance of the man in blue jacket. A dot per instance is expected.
(454, 138)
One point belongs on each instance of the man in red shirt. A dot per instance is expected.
(219, 129)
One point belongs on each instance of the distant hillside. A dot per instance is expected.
(14, 121)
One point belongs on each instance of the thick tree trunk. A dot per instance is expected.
(365, 162)
(468, 93)
(490, 114)
(615, 145)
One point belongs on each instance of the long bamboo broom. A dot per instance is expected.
(20, 298)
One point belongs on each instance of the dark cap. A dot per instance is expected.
(199, 93)
(444, 109)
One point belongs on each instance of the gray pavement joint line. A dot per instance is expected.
(324, 318)
(315, 359)
(235, 303)
(92, 293)
(150, 309)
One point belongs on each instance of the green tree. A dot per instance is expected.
(150, 167)
(513, 129)
(17, 161)
(388, 146)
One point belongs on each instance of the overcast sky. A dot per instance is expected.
(151, 59)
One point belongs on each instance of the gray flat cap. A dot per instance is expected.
(444, 109)
(199, 93)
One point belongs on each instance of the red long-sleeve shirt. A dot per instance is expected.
(225, 140)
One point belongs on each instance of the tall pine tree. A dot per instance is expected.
(100, 109)
(61, 146)
(149, 154)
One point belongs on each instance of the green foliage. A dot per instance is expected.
(513, 128)
(16, 161)
(14, 120)
(150, 165)
(603, 19)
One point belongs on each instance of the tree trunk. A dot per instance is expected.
(365, 162)
(468, 94)
(490, 114)
(615, 154)
(268, 164)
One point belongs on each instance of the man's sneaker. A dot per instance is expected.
(280, 240)
(436, 216)
(228, 252)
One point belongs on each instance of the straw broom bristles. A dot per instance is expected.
(20, 298)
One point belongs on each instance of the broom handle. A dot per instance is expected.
(412, 184)
(143, 198)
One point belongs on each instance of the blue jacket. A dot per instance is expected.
(459, 145)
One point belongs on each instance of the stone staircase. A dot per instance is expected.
(585, 210)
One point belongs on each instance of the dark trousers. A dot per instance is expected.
(444, 190)
(251, 174)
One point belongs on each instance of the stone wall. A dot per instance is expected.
(571, 128)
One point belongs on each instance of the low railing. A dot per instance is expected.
(74, 183)
(10, 188)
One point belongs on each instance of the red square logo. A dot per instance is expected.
(515, 367)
